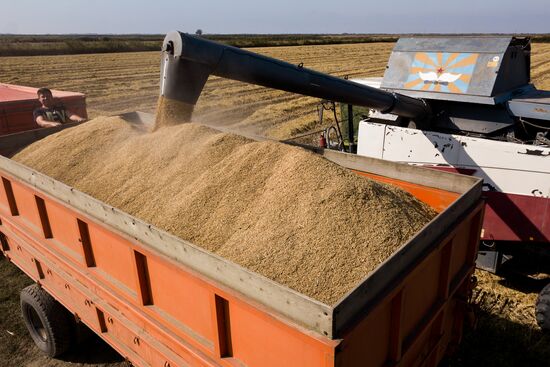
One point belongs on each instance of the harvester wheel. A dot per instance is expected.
(543, 308)
(48, 322)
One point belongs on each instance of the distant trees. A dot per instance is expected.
(199, 32)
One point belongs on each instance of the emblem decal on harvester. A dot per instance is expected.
(441, 71)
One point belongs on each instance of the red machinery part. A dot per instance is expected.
(322, 141)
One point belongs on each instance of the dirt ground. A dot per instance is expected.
(115, 83)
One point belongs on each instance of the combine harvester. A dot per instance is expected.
(463, 105)
(162, 301)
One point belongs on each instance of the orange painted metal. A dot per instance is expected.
(436, 198)
(17, 104)
(156, 312)
(423, 314)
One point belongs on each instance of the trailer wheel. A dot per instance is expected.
(543, 308)
(48, 322)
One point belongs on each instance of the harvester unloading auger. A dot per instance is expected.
(461, 104)
(187, 61)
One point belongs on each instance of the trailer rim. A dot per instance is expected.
(36, 323)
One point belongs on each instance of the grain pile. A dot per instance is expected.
(278, 210)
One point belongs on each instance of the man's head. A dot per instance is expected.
(45, 97)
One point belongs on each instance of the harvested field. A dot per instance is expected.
(116, 83)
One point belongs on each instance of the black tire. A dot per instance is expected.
(50, 324)
(542, 308)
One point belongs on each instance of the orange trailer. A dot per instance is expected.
(162, 301)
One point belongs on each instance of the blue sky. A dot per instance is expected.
(275, 16)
